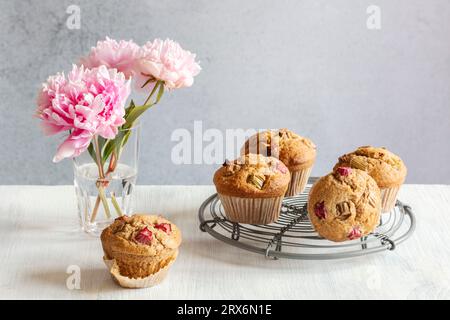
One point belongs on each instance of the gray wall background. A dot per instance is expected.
(312, 66)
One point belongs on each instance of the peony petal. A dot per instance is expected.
(89, 102)
(150, 68)
(51, 129)
(73, 146)
(167, 61)
(108, 132)
(112, 54)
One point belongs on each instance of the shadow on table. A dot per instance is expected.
(216, 251)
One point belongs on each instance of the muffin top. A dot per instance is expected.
(140, 234)
(345, 204)
(294, 151)
(252, 176)
(386, 168)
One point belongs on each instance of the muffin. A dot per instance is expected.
(386, 168)
(251, 188)
(344, 205)
(139, 249)
(296, 152)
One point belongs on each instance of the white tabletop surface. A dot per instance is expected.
(39, 242)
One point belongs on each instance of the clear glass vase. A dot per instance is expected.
(104, 195)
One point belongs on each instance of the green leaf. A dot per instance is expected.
(160, 92)
(125, 138)
(111, 145)
(91, 151)
(134, 114)
(101, 143)
(129, 108)
(109, 148)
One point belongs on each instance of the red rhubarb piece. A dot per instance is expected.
(281, 167)
(166, 227)
(320, 211)
(355, 233)
(344, 171)
(144, 236)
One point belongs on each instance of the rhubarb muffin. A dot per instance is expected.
(386, 168)
(140, 249)
(344, 205)
(251, 188)
(296, 152)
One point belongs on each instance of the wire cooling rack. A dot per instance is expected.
(293, 236)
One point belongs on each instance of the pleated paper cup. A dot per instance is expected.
(135, 283)
(298, 182)
(388, 198)
(251, 210)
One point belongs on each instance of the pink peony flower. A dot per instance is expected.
(121, 55)
(167, 61)
(87, 102)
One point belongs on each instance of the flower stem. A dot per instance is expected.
(112, 163)
(94, 212)
(100, 182)
(116, 205)
(101, 173)
(101, 192)
(159, 88)
(155, 87)
(112, 166)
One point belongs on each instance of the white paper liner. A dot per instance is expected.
(251, 210)
(298, 182)
(388, 198)
(134, 283)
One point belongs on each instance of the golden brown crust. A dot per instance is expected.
(295, 151)
(385, 167)
(252, 176)
(120, 236)
(344, 206)
(135, 258)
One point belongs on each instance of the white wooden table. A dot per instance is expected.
(39, 242)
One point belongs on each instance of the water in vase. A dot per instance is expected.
(118, 188)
